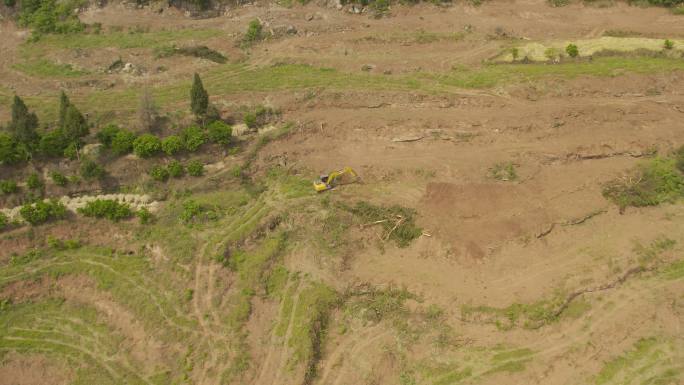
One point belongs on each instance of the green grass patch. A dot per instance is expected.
(529, 316)
(398, 222)
(674, 270)
(46, 69)
(649, 361)
(122, 40)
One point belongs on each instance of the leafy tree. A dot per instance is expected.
(53, 143)
(572, 50)
(34, 182)
(90, 170)
(23, 124)
(194, 138)
(220, 133)
(195, 168)
(669, 44)
(106, 134)
(75, 125)
(146, 145)
(199, 98)
(122, 142)
(8, 186)
(172, 144)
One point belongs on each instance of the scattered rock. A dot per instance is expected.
(309, 16)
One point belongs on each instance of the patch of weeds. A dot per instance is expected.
(504, 171)
(198, 51)
(106, 208)
(373, 304)
(674, 271)
(529, 316)
(254, 33)
(144, 215)
(46, 69)
(397, 222)
(650, 184)
(8, 186)
(42, 212)
(668, 44)
(646, 357)
(652, 252)
(59, 179)
(194, 212)
(576, 309)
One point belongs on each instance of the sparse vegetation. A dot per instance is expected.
(159, 173)
(504, 171)
(8, 186)
(652, 183)
(398, 223)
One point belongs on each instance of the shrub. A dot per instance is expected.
(572, 50)
(196, 212)
(176, 169)
(504, 171)
(122, 142)
(679, 159)
(194, 138)
(8, 186)
(250, 120)
(71, 151)
(172, 144)
(34, 182)
(146, 145)
(59, 179)
(195, 168)
(107, 134)
(90, 170)
(668, 44)
(652, 183)
(398, 222)
(159, 173)
(11, 152)
(144, 215)
(63, 244)
(254, 32)
(199, 98)
(106, 208)
(220, 133)
(53, 143)
(4, 221)
(41, 212)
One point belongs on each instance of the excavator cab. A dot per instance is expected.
(335, 178)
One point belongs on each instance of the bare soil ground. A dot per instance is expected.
(487, 243)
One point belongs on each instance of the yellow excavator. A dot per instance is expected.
(335, 178)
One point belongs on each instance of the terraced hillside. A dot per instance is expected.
(518, 218)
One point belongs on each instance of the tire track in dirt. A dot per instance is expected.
(361, 345)
(340, 350)
(286, 352)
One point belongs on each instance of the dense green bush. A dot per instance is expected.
(194, 138)
(71, 151)
(59, 179)
(196, 212)
(159, 173)
(195, 168)
(53, 143)
(572, 50)
(220, 133)
(106, 134)
(50, 16)
(254, 32)
(123, 142)
(106, 208)
(34, 182)
(12, 152)
(146, 145)
(172, 144)
(176, 169)
(41, 212)
(91, 170)
(669, 44)
(8, 186)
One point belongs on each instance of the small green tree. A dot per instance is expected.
(172, 144)
(10, 151)
(199, 98)
(176, 169)
(8, 186)
(23, 124)
(90, 170)
(254, 32)
(572, 50)
(107, 134)
(75, 126)
(669, 44)
(146, 145)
